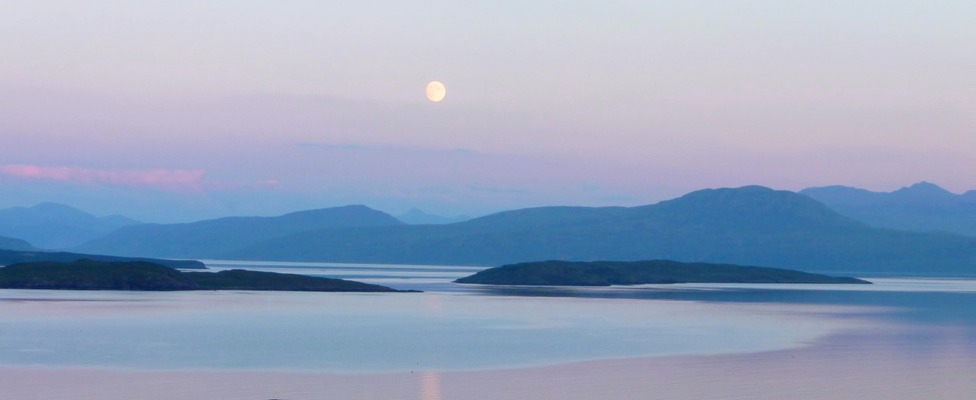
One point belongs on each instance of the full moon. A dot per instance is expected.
(436, 91)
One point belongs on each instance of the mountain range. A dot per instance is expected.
(920, 207)
(750, 225)
(56, 226)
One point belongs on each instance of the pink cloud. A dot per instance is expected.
(166, 179)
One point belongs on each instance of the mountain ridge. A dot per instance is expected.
(922, 207)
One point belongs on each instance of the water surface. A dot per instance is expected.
(454, 327)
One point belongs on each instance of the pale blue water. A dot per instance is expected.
(452, 327)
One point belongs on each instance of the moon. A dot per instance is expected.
(436, 91)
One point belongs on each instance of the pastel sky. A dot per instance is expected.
(179, 110)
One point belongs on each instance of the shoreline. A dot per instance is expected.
(843, 366)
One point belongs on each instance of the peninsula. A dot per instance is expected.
(146, 276)
(606, 273)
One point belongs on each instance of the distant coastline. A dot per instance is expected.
(8, 257)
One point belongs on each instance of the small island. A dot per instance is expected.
(606, 273)
(146, 276)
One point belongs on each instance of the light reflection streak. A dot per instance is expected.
(430, 384)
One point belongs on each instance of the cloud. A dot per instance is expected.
(164, 179)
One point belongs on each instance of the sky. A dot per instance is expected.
(182, 110)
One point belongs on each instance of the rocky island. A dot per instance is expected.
(606, 273)
(146, 276)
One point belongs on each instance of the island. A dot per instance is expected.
(8, 257)
(606, 273)
(146, 276)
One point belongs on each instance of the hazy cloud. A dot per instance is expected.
(165, 179)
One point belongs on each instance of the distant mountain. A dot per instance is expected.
(921, 207)
(419, 217)
(213, 238)
(15, 244)
(57, 226)
(749, 225)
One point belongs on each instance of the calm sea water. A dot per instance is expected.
(463, 327)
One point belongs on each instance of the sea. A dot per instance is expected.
(926, 324)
